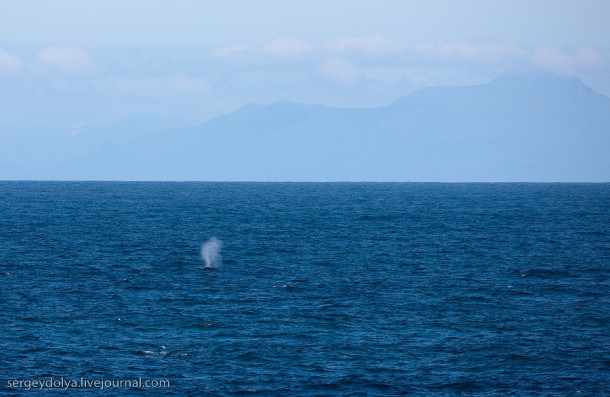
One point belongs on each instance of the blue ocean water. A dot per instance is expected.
(324, 289)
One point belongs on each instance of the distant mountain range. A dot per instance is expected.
(515, 128)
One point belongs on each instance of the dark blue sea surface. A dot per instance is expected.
(324, 289)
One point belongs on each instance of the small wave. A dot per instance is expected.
(543, 273)
(374, 218)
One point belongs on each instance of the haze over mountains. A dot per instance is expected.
(536, 127)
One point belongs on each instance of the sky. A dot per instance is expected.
(71, 64)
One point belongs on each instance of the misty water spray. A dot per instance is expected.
(210, 252)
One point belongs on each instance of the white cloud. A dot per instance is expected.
(287, 47)
(230, 50)
(491, 54)
(187, 85)
(339, 71)
(552, 59)
(567, 62)
(376, 45)
(386, 61)
(9, 63)
(588, 58)
(380, 62)
(158, 87)
(280, 47)
(508, 56)
(69, 59)
(393, 76)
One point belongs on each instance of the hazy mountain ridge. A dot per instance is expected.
(35, 148)
(515, 128)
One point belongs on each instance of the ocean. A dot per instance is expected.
(314, 289)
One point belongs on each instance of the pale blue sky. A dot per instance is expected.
(79, 62)
(199, 22)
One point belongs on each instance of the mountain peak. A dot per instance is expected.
(536, 127)
(539, 81)
(510, 86)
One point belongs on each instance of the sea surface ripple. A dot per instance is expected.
(353, 289)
